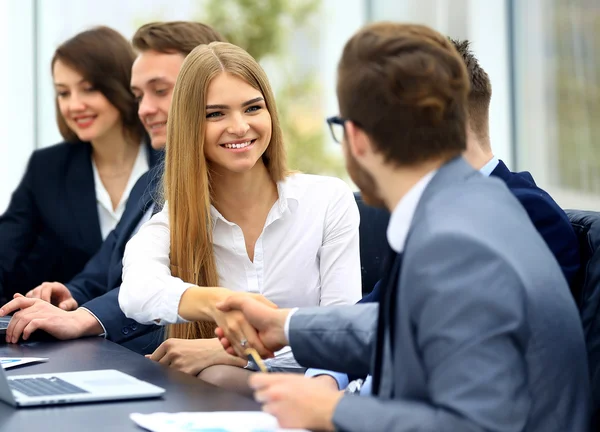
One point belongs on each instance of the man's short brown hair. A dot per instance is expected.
(406, 87)
(481, 90)
(174, 37)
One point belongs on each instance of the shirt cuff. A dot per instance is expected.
(286, 327)
(340, 378)
(103, 334)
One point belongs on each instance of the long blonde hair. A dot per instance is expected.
(187, 186)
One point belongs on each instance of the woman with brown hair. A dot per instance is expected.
(73, 193)
(234, 215)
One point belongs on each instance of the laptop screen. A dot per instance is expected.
(4, 324)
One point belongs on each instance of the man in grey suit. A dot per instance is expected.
(477, 330)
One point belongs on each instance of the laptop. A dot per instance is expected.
(4, 324)
(73, 387)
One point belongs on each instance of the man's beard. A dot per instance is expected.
(365, 182)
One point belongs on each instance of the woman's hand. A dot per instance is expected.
(240, 333)
(192, 356)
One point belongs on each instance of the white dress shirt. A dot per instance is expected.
(403, 214)
(490, 166)
(398, 226)
(307, 255)
(109, 217)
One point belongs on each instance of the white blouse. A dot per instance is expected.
(109, 217)
(307, 254)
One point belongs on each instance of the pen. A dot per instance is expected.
(255, 358)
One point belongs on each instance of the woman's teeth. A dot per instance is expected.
(237, 146)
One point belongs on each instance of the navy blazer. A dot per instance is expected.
(51, 227)
(548, 218)
(97, 287)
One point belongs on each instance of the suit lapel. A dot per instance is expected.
(81, 196)
(455, 170)
(141, 197)
(502, 172)
(155, 157)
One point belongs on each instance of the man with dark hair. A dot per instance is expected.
(477, 329)
(88, 304)
(549, 219)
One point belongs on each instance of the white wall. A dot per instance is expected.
(59, 20)
(339, 24)
(28, 118)
(17, 115)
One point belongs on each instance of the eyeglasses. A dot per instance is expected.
(336, 126)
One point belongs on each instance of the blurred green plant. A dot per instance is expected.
(264, 29)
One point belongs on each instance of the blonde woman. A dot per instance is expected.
(234, 216)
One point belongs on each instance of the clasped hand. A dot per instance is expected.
(246, 321)
(295, 401)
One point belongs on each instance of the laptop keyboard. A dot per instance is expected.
(44, 387)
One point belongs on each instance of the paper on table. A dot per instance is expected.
(9, 362)
(219, 421)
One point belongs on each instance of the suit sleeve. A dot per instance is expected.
(468, 312)
(20, 225)
(317, 334)
(92, 281)
(119, 328)
(373, 296)
(343, 379)
(555, 228)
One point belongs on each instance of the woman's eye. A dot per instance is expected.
(254, 108)
(213, 114)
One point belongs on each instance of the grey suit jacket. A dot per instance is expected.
(487, 335)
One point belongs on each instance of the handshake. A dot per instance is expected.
(250, 321)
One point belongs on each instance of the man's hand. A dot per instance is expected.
(268, 322)
(36, 314)
(192, 356)
(296, 401)
(54, 293)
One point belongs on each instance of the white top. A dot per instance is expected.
(108, 216)
(307, 255)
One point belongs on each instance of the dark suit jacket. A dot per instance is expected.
(548, 218)
(97, 286)
(51, 227)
